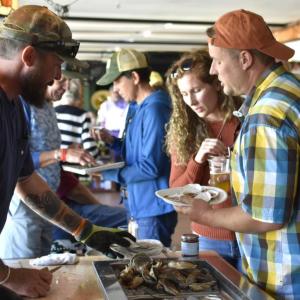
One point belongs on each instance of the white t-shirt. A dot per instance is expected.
(111, 115)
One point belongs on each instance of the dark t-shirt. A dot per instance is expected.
(15, 158)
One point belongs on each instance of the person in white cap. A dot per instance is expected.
(265, 160)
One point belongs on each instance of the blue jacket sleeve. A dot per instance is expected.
(118, 142)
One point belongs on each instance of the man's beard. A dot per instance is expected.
(32, 90)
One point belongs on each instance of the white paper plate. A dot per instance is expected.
(147, 246)
(82, 170)
(180, 196)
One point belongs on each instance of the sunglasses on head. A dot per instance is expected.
(185, 66)
(68, 49)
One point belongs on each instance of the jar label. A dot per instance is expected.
(189, 249)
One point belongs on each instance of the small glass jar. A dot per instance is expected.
(189, 245)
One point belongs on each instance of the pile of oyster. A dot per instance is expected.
(171, 276)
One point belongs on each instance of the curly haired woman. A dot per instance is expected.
(202, 124)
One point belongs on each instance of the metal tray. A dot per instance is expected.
(107, 277)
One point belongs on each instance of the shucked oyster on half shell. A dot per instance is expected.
(207, 195)
(202, 192)
(148, 246)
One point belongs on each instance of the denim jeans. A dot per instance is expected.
(158, 227)
(229, 250)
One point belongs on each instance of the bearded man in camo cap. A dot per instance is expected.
(34, 42)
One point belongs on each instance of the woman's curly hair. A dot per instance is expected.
(186, 130)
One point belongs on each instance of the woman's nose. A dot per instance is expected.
(192, 99)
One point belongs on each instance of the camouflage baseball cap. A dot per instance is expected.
(122, 61)
(41, 28)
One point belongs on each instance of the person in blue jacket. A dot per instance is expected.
(147, 166)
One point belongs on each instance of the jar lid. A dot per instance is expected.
(189, 237)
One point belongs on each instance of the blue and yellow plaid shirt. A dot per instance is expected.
(265, 181)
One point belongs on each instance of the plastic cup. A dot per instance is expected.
(219, 172)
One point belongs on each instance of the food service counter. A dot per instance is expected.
(80, 282)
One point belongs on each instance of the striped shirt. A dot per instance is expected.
(74, 125)
(265, 182)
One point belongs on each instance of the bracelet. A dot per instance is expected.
(57, 154)
(63, 154)
(6, 277)
(80, 227)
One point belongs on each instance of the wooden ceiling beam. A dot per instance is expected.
(287, 34)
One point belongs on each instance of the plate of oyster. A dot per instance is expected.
(167, 276)
(184, 196)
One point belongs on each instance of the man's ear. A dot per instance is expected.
(29, 55)
(246, 59)
(135, 77)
